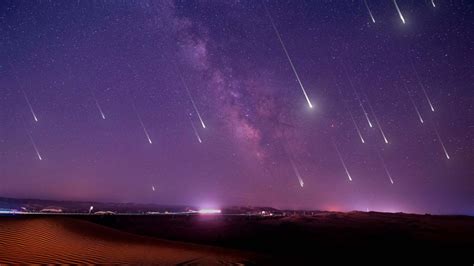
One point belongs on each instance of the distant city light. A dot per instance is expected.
(209, 211)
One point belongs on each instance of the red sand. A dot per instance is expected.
(65, 240)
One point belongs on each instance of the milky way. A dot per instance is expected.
(217, 88)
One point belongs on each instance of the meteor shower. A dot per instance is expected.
(233, 132)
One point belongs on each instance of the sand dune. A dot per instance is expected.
(66, 240)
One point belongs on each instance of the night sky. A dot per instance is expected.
(71, 64)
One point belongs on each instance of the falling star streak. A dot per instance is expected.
(195, 131)
(356, 94)
(97, 104)
(34, 146)
(433, 3)
(370, 12)
(422, 86)
(192, 101)
(356, 127)
(288, 56)
(342, 161)
(377, 120)
(297, 173)
(29, 105)
(153, 188)
(17, 80)
(399, 12)
(141, 123)
(385, 167)
(413, 103)
(441, 142)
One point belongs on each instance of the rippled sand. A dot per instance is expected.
(66, 240)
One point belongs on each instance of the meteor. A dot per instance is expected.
(376, 120)
(288, 57)
(153, 188)
(141, 123)
(195, 131)
(342, 161)
(34, 146)
(23, 92)
(192, 101)
(97, 104)
(368, 9)
(399, 12)
(356, 127)
(297, 173)
(433, 3)
(90, 209)
(441, 142)
(385, 167)
(357, 95)
(414, 105)
(421, 85)
(29, 105)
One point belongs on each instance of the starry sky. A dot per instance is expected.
(155, 69)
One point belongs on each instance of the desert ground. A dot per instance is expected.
(63, 240)
(232, 239)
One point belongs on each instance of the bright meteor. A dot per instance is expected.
(399, 12)
(195, 131)
(385, 167)
(421, 85)
(441, 142)
(29, 105)
(297, 173)
(376, 120)
(414, 105)
(356, 127)
(368, 9)
(24, 93)
(342, 161)
(357, 95)
(34, 146)
(141, 123)
(433, 3)
(288, 57)
(192, 101)
(97, 104)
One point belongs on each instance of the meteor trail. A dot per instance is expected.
(195, 131)
(421, 85)
(34, 146)
(413, 103)
(297, 173)
(23, 92)
(192, 101)
(153, 188)
(342, 161)
(97, 104)
(399, 12)
(29, 105)
(385, 167)
(433, 3)
(356, 127)
(368, 9)
(288, 56)
(141, 123)
(441, 142)
(376, 120)
(357, 95)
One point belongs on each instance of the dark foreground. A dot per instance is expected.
(218, 239)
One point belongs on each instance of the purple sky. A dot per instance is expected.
(70, 59)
